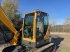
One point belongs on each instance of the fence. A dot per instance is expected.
(60, 28)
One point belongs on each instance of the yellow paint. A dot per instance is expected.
(29, 40)
(34, 26)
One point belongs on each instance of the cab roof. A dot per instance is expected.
(38, 11)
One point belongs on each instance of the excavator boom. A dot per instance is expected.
(9, 24)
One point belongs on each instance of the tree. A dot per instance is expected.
(67, 25)
(67, 21)
(10, 7)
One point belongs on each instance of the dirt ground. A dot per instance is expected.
(62, 42)
(2, 46)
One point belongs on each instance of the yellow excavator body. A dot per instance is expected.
(35, 29)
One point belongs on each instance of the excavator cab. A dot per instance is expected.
(35, 31)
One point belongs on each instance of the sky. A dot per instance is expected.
(58, 10)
